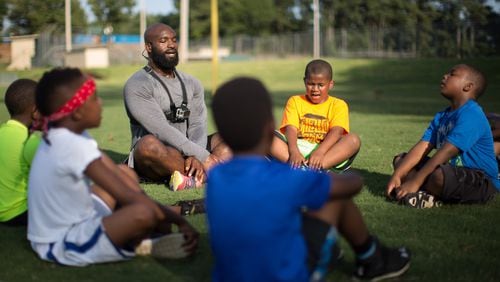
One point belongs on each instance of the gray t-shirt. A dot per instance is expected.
(147, 104)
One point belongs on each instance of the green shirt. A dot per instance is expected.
(17, 149)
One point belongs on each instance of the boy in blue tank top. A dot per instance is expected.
(264, 216)
(463, 168)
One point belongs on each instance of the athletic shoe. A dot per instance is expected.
(179, 181)
(420, 200)
(304, 167)
(167, 246)
(385, 263)
(191, 207)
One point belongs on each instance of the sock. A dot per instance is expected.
(367, 249)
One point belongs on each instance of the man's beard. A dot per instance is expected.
(162, 61)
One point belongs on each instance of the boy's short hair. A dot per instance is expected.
(318, 67)
(20, 96)
(479, 80)
(54, 88)
(241, 108)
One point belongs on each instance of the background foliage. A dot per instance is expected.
(436, 28)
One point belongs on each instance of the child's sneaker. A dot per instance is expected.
(167, 246)
(420, 200)
(179, 181)
(191, 207)
(304, 167)
(385, 263)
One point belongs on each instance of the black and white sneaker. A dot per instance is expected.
(385, 263)
(191, 207)
(420, 200)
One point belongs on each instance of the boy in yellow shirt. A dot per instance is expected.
(314, 131)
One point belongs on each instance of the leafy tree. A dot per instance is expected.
(113, 13)
(257, 17)
(171, 19)
(287, 17)
(28, 17)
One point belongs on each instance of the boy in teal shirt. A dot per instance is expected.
(17, 148)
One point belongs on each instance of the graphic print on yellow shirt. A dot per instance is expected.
(313, 121)
(313, 127)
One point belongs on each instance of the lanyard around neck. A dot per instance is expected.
(149, 70)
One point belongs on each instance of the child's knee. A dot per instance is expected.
(497, 148)
(437, 176)
(354, 141)
(435, 182)
(397, 159)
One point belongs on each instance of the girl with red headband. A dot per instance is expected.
(83, 208)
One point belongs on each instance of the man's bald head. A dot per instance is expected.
(154, 30)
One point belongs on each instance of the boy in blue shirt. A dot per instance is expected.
(463, 169)
(260, 212)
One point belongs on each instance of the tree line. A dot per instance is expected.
(442, 28)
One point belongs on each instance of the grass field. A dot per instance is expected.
(391, 103)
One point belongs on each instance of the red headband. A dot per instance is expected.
(81, 95)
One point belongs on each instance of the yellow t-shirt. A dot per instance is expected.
(17, 149)
(313, 121)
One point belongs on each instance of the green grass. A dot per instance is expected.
(391, 102)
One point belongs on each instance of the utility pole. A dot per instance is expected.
(214, 16)
(67, 24)
(184, 29)
(142, 22)
(316, 39)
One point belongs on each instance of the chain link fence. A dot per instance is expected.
(126, 49)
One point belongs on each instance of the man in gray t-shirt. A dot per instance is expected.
(168, 133)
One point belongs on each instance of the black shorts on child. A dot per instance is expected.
(466, 185)
(462, 185)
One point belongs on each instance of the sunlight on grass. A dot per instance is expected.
(391, 103)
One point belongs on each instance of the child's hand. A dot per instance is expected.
(409, 186)
(315, 160)
(393, 184)
(296, 159)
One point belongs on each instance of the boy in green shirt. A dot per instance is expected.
(17, 148)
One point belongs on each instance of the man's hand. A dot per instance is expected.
(193, 167)
(190, 235)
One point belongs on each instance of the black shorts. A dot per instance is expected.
(466, 186)
(18, 220)
(315, 231)
(462, 185)
(209, 142)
